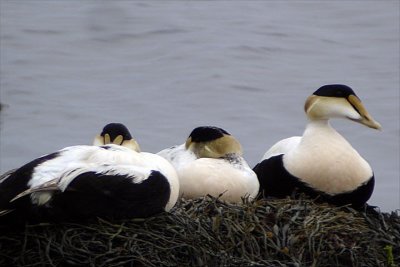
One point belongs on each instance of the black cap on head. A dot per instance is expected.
(207, 133)
(115, 129)
(335, 90)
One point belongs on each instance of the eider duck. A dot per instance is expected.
(210, 162)
(321, 162)
(82, 182)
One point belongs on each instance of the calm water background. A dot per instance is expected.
(163, 68)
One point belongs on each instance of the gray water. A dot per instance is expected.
(163, 68)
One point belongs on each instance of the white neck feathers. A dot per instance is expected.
(326, 161)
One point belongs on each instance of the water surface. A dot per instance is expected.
(163, 68)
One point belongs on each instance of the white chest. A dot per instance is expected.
(327, 162)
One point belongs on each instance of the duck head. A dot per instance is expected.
(118, 134)
(212, 142)
(338, 101)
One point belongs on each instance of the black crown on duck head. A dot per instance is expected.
(207, 133)
(334, 90)
(115, 129)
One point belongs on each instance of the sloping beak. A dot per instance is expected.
(365, 119)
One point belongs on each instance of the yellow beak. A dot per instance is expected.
(365, 119)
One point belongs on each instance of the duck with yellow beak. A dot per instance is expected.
(321, 163)
(210, 162)
(111, 179)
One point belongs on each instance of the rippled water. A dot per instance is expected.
(163, 68)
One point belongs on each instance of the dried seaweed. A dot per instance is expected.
(208, 232)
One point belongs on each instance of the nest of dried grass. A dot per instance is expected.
(207, 232)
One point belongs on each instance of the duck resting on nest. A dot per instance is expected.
(321, 162)
(210, 162)
(111, 180)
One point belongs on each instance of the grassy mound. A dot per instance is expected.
(207, 232)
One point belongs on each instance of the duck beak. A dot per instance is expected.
(365, 119)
